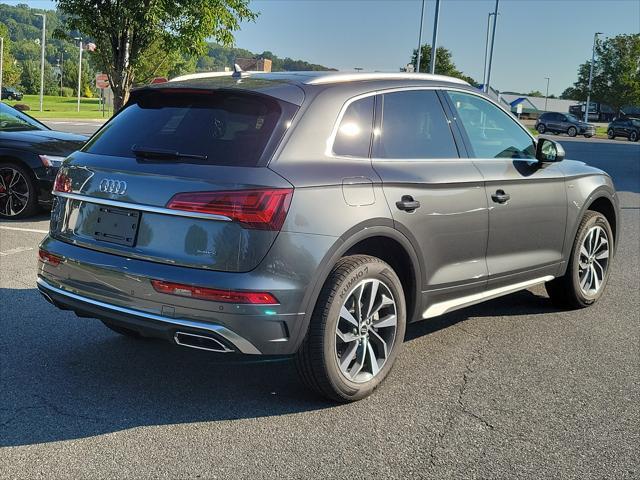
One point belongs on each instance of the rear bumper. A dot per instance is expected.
(145, 323)
(118, 289)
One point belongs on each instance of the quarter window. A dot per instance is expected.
(492, 132)
(353, 137)
(414, 126)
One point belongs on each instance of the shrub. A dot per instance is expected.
(21, 106)
(68, 92)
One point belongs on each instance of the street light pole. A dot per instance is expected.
(547, 94)
(44, 28)
(493, 41)
(434, 43)
(420, 37)
(1, 63)
(593, 59)
(486, 50)
(79, 70)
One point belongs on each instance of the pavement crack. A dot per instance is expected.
(475, 357)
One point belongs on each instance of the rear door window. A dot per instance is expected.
(414, 126)
(214, 127)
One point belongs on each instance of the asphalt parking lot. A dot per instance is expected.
(508, 389)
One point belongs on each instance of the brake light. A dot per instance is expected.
(49, 258)
(263, 209)
(62, 183)
(214, 294)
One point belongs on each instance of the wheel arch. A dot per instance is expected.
(382, 241)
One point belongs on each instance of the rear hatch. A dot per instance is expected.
(179, 176)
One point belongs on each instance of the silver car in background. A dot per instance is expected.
(315, 214)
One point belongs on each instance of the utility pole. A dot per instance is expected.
(493, 41)
(434, 43)
(44, 28)
(1, 63)
(547, 94)
(593, 59)
(79, 70)
(61, 71)
(420, 38)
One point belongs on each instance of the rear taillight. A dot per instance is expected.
(264, 209)
(62, 183)
(49, 258)
(214, 294)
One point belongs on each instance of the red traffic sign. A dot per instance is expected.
(102, 80)
(160, 80)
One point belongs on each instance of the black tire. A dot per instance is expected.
(588, 136)
(633, 136)
(541, 128)
(611, 134)
(565, 291)
(572, 131)
(121, 330)
(26, 186)
(317, 360)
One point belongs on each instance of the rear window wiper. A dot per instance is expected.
(163, 153)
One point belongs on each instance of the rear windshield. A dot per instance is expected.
(218, 128)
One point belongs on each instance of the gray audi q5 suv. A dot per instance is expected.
(315, 215)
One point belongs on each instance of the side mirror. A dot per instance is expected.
(548, 151)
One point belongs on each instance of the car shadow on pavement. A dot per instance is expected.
(62, 377)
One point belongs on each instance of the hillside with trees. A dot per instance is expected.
(22, 30)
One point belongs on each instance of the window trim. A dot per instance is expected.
(449, 113)
(465, 136)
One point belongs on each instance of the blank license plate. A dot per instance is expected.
(117, 225)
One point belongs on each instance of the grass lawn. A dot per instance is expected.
(62, 107)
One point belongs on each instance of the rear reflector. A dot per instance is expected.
(62, 183)
(216, 295)
(263, 209)
(49, 258)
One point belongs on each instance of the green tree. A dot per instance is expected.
(30, 79)
(444, 63)
(124, 31)
(616, 73)
(10, 67)
(535, 93)
(570, 93)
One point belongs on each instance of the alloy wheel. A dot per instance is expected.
(594, 260)
(366, 330)
(14, 192)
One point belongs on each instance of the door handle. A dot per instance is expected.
(407, 204)
(500, 196)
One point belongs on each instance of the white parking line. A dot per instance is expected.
(15, 250)
(18, 229)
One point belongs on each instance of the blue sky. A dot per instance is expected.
(534, 38)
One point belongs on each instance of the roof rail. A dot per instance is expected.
(191, 76)
(351, 77)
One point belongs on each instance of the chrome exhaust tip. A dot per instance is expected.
(47, 297)
(201, 342)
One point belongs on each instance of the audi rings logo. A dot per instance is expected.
(108, 185)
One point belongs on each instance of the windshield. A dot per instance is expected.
(213, 127)
(12, 120)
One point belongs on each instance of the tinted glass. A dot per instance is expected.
(353, 137)
(226, 128)
(492, 132)
(12, 120)
(414, 126)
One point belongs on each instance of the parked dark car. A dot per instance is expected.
(624, 127)
(30, 154)
(555, 122)
(315, 214)
(9, 93)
